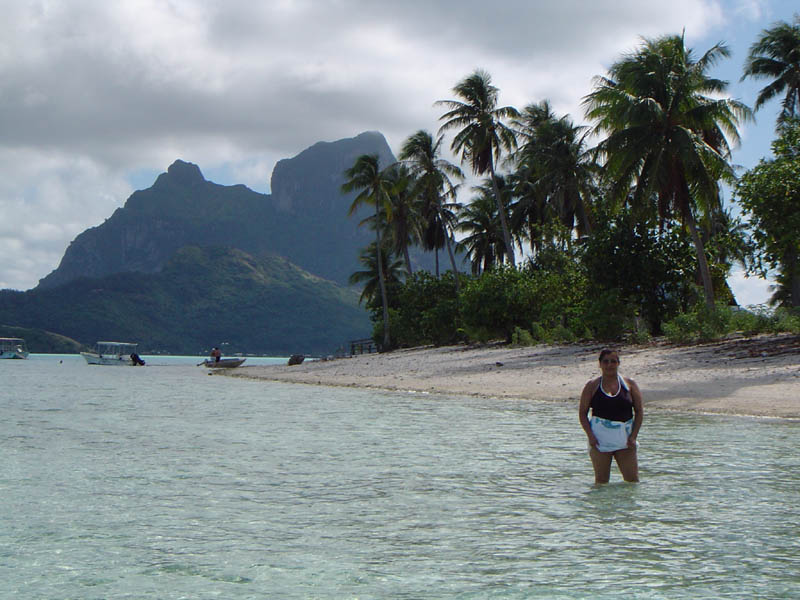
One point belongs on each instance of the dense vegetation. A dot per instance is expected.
(627, 239)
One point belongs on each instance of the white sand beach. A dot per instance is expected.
(758, 376)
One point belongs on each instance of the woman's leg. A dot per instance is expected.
(628, 464)
(601, 461)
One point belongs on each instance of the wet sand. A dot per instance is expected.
(758, 376)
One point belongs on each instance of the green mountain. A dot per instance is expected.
(201, 297)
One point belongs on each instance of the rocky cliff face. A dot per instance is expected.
(304, 219)
(311, 180)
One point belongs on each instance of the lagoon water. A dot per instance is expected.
(164, 482)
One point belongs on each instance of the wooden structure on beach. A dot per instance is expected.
(363, 346)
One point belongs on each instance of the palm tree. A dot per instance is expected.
(776, 56)
(433, 186)
(373, 187)
(554, 164)
(530, 211)
(483, 135)
(403, 218)
(665, 134)
(391, 267)
(484, 243)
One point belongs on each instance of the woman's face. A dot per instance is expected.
(609, 363)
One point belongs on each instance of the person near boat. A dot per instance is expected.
(216, 354)
(612, 429)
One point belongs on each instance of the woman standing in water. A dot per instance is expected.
(616, 404)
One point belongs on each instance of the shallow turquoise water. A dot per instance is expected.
(163, 482)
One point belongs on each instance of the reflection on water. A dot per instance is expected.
(165, 483)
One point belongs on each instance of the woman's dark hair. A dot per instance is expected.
(606, 351)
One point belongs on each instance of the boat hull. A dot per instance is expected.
(14, 354)
(225, 363)
(97, 359)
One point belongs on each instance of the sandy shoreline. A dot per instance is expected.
(758, 376)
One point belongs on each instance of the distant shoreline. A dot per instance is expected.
(747, 376)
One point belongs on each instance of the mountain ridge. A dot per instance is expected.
(305, 219)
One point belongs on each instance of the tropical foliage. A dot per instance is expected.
(628, 238)
(667, 147)
(770, 195)
(483, 134)
(776, 55)
(436, 190)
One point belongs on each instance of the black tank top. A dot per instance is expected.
(614, 408)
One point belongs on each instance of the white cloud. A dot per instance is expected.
(749, 291)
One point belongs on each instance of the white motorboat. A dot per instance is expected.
(13, 348)
(113, 353)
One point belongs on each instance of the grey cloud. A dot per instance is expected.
(105, 89)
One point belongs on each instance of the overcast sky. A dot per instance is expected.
(97, 98)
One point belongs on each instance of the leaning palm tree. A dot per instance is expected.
(373, 187)
(665, 134)
(776, 55)
(434, 186)
(482, 135)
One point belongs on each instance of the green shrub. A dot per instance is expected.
(497, 302)
(539, 333)
(787, 320)
(522, 337)
(700, 325)
(751, 322)
(764, 320)
(563, 334)
(639, 336)
(423, 310)
(610, 316)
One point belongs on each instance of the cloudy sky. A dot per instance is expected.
(97, 98)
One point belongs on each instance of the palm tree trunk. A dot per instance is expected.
(503, 220)
(702, 263)
(581, 210)
(382, 279)
(452, 260)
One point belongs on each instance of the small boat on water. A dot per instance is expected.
(113, 353)
(13, 348)
(223, 363)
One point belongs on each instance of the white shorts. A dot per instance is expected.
(611, 435)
